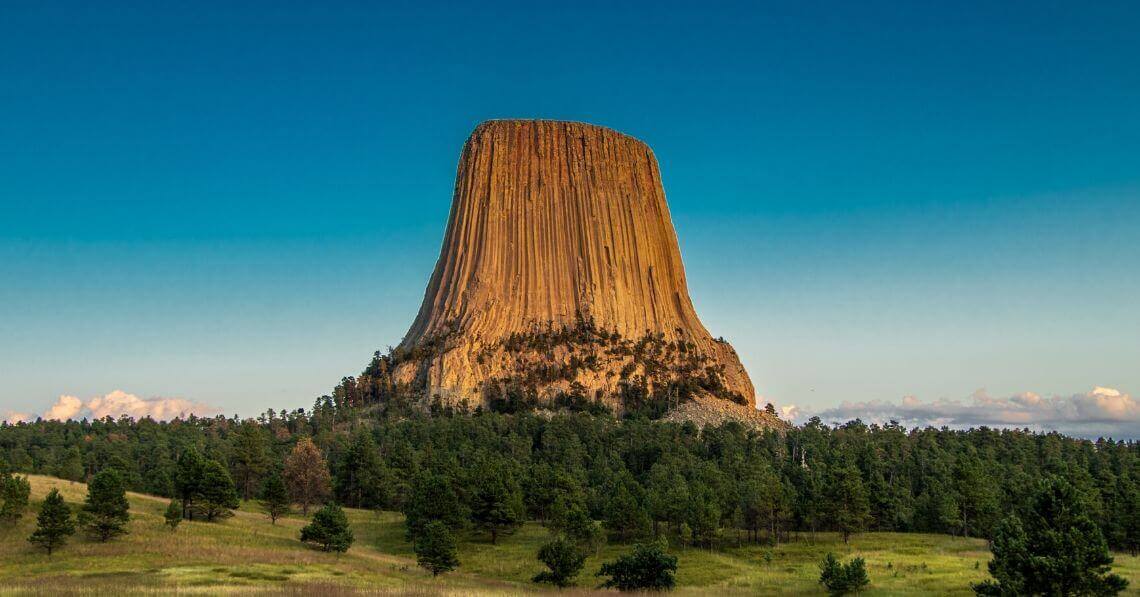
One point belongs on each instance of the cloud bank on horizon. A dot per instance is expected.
(1101, 412)
(116, 404)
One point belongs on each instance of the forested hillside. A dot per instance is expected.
(709, 488)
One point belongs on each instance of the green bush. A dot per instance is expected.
(329, 529)
(648, 568)
(564, 560)
(839, 578)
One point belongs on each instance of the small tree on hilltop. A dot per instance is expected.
(564, 560)
(306, 474)
(106, 511)
(173, 514)
(329, 529)
(435, 548)
(274, 498)
(54, 524)
(1057, 550)
(839, 578)
(217, 495)
(14, 493)
(648, 568)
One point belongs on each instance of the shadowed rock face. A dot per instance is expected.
(552, 224)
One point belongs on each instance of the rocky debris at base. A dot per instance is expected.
(704, 410)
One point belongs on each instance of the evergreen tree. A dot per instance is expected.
(188, 480)
(497, 505)
(361, 479)
(216, 495)
(1056, 551)
(306, 474)
(71, 465)
(435, 548)
(847, 500)
(329, 529)
(274, 498)
(106, 512)
(432, 498)
(648, 568)
(573, 520)
(173, 514)
(625, 515)
(14, 494)
(249, 458)
(977, 496)
(564, 560)
(54, 524)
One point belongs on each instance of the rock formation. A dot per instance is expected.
(560, 271)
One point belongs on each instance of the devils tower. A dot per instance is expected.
(560, 273)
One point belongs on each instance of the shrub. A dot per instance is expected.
(173, 514)
(564, 560)
(648, 568)
(840, 578)
(329, 529)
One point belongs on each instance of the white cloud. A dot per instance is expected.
(1099, 412)
(15, 417)
(119, 403)
(64, 408)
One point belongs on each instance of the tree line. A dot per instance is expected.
(489, 472)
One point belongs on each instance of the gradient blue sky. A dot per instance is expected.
(237, 205)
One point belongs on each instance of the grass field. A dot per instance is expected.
(246, 554)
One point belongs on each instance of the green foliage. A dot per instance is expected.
(14, 493)
(497, 503)
(433, 499)
(648, 568)
(250, 458)
(216, 495)
(435, 548)
(848, 504)
(1056, 550)
(329, 529)
(274, 498)
(361, 480)
(564, 560)
(708, 486)
(70, 467)
(54, 524)
(106, 512)
(572, 519)
(188, 480)
(625, 515)
(173, 515)
(839, 578)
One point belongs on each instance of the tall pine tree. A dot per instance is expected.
(54, 524)
(106, 511)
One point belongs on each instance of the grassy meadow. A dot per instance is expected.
(246, 554)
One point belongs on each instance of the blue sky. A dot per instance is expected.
(237, 205)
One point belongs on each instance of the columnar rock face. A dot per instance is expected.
(554, 224)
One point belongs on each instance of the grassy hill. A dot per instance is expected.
(247, 554)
